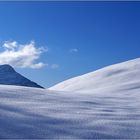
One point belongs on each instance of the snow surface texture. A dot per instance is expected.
(38, 113)
(109, 110)
(120, 76)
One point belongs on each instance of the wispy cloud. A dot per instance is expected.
(54, 66)
(21, 55)
(10, 44)
(73, 50)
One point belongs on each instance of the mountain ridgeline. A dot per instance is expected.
(8, 76)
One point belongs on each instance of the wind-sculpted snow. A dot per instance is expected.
(39, 113)
(111, 77)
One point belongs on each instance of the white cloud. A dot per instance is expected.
(21, 55)
(54, 66)
(73, 50)
(10, 44)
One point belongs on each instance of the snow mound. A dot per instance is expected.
(33, 113)
(114, 77)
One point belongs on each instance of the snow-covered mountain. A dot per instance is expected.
(8, 76)
(120, 76)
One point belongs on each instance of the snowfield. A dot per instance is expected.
(118, 76)
(107, 107)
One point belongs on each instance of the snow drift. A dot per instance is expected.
(31, 113)
(118, 76)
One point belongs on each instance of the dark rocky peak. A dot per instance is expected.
(6, 68)
(8, 76)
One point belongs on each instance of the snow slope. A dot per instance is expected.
(35, 113)
(118, 76)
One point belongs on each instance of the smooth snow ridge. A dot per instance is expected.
(118, 76)
(31, 113)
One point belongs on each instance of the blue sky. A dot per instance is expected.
(76, 37)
